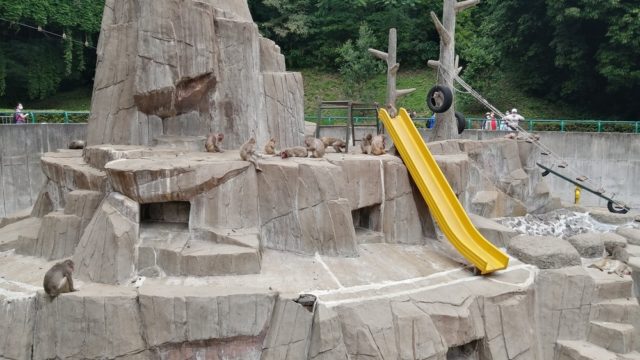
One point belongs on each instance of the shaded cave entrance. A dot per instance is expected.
(367, 222)
(173, 212)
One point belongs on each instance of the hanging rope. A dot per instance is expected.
(533, 139)
(62, 36)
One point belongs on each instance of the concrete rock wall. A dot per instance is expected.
(186, 68)
(21, 147)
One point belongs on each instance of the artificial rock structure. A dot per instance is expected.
(175, 68)
(184, 254)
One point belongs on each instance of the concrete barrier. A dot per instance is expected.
(609, 159)
(21, 146)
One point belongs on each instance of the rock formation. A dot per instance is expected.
(185, 68)
(182, 254)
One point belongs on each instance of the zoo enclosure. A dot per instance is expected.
(66, 117)
(529, 124)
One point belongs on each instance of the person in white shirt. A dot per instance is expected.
(514, 119)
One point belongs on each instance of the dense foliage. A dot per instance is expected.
(35, 64)
(579, 52)
(583, 53)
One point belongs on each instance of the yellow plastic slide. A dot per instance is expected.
(442, 201)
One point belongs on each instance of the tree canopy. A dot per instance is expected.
(34, 62)
(579, 52)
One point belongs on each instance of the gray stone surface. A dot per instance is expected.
(289, 332)
(589, 245)
(83, 204)
(498, 235)
(327, 341)
(83, 321)
(612, 240)
(15, 217)
(58, 237)
(21, 147)
(212, 72)
(545, 252)
(69, 171)
(107, 250)
(631, 234)
(10, 234)
(171, 178)
(303, 209)
(563, 299)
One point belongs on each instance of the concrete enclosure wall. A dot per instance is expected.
(610, 158)
(21, 146)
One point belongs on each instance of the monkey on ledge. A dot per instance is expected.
(58, 279)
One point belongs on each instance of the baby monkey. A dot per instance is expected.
(213, 142)
(248, 152)
(337, 144)
(58, 279)
(270, 147)
(297, 151)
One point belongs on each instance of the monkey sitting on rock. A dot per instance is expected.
(378, 145)
(77, 144)
(337, 144)
(315, 146)
(213, 142)
(270, 147)
(365, 144)
(248, 152)
(296, 151)
(58, 279)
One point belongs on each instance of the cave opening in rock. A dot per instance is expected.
(173, 212)
(467, 351)
(367, 218)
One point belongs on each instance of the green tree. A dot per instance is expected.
(357, 65)
(35, 64)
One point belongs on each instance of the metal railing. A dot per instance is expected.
(35, 117)
(529, 124)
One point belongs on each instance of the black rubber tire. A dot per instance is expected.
(616, 209)
(447, 101)
(462, 122)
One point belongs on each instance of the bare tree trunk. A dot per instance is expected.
(447, 66)
(392, 71)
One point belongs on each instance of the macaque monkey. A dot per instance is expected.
(77, 144)
(58, 279)
(248, 152)
(616, 263)
(213, 142)
(337, 144)
(297, 151)
(270, 148)
(378, 145)
(365, 144)
(315, 146)
(392, 110)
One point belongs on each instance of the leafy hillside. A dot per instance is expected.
(503, 94)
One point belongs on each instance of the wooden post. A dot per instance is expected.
(447, 66)
(392, 71)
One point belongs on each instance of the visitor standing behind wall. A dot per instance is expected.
(19, 117)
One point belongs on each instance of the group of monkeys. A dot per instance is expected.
(372, 145)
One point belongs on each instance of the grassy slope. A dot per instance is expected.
(318, 85)
(328, 86)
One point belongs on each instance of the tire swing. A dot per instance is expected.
(616, 209)
(439, 99)
(462, 122)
